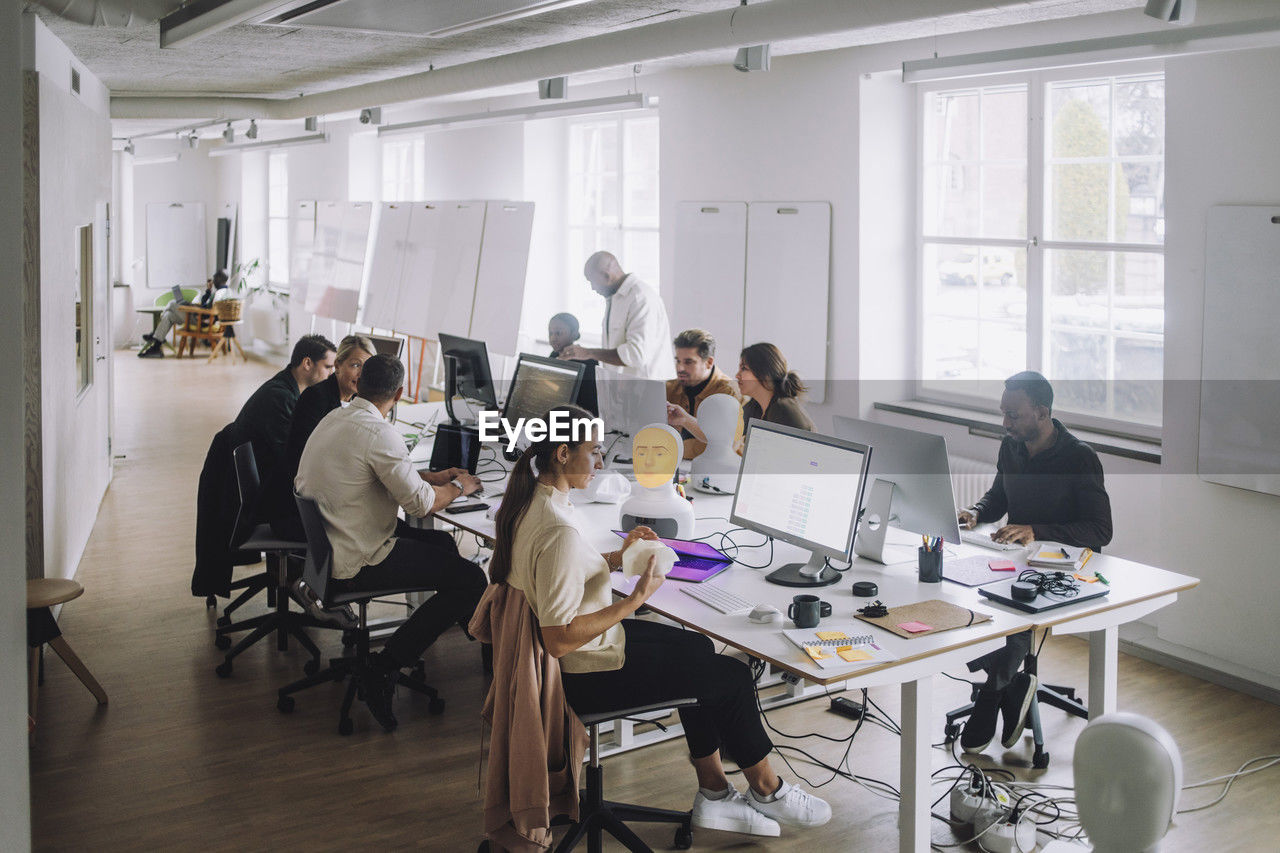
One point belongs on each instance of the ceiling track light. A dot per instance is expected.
(616, 104)
(229, 134)
(128, 146)
(754, 58)
(226, 150)
(1171, 11)
(252, 132)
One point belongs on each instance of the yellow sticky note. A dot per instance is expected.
(854, 655)
(832, 635)
(816, 652)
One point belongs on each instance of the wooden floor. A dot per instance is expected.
(181, 759)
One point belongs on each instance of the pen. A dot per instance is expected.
(1099, 576)
(1087, 554)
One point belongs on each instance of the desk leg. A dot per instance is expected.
(1104, 666)
(913, 811)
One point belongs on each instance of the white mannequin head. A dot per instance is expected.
(715, 469)
(1128, 774)
(720, 418)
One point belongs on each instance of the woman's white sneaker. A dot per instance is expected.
(733, 813)
(793, 806)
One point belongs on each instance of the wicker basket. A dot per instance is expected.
(228, 310)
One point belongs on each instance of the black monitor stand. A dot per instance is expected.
(450, 386)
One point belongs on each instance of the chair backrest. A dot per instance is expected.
(247, 482)
(319, 563)
(188, 293)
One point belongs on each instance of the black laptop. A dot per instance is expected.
(999, 592)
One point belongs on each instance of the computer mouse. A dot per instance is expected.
(765, 613)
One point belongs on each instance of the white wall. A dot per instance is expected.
(190, 179)
(15, 809)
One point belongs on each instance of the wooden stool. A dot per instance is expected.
(227, 341)
(43, 593)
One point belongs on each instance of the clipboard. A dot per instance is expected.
(938, 615)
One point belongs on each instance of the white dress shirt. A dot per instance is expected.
(356, 468)
(635, 324)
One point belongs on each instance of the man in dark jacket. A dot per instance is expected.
(1050, 485)
(267, 414)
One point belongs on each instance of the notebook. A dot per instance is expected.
(1055, 555)
(976, 570)
(835, 648)
(1045, 600)
(927, 617)
(696, 561)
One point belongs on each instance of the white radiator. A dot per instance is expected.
(970, 479)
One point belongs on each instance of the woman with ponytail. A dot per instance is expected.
(609, 662)
(770, 387)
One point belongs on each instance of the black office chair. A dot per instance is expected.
(1063, 698)
(357, 669)
(250, 537)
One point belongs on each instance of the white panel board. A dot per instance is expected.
(711, 273)
(342, 235)
(500, 278)
(1240, 368)
(176, 245)
(454, 268)
(389, 239)
(788, 284)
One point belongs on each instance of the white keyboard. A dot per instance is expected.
(715, 597)
(984, 540)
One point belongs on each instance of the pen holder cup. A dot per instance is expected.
(930, 566)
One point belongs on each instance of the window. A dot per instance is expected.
(278, 218)
(1044, 249)
(613, 205)
(402, 167)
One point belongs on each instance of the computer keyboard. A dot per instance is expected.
(717, 598)
(984, 540)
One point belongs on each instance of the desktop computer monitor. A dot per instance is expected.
(910, 485)
(467, 375)
(539, 384)
(805, 489)
(387, 345)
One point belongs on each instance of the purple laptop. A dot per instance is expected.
(697, 560)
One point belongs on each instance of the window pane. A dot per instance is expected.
(1004, 124)
(641, 200)
(1140, 203)
(951, 127)
(951, 199)
(1078, 369)
(1078, 198)
(278, 250)
(1004, 201)
(1139, 293)
(951, 280)
(1079, 291)
(1139, 108)
(594, 199)
(1138, 390)
(640, 255)
(1003, 350)
(642, 145)
(1080, 123)
(950, 350)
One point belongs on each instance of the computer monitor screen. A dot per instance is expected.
(921, 499)
(540, 384)
(805, 489)
(467, 363)
(387, 346)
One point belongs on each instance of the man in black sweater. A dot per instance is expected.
(1050, 485)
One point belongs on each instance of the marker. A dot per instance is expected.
(1099, 576)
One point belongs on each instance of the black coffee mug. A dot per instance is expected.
(806, 610)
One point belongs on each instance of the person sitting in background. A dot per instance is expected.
(1050, 484)
(267, 414)
(609, 662)
(562, 331)
(697, 378)
(357, 470)
(152, 346)
(770, 388)
(277, 504)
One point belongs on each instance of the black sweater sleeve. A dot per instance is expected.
(1091, 525)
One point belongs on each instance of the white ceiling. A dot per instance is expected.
(283, 61)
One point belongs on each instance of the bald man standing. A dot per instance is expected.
(636, 335)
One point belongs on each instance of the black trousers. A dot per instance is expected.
(425, 560)
(665, 662)
(1003, 664)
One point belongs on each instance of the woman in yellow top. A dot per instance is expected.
(609, 662)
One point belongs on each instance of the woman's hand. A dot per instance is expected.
(647, 584)
(635, 535)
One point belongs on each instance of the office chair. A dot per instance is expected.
(357, 670)
(249, 537)
(1063, 698)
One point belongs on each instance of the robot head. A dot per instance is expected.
(656, 451)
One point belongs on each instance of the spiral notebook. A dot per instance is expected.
(836, 648)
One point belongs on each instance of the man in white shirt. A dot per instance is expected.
(356, 468)
(636, 334)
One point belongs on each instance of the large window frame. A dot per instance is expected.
(278, 220)
(402, 168)
(619, 225)
(1035, 243)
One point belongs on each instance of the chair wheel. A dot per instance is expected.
(435, 706)
(951, 732)
(345, 726)
(222, 641)
(684, 839)
(285, 704)
(223, 621)
(1040, 761)
(311, 667)
(210, 601)
(223, 669)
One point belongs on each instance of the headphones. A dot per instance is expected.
(874, 610)
(1031, 583)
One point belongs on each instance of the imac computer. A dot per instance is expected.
(540, 384)
(466, 372)
(910, 486)
(805, 489)
(387, 345)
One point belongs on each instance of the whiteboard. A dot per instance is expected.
(176, 245)
(711, 273)
(788, 275)
(453, 268)
(500, 278)
(1240, 362)
(338, 259)
(390, 233)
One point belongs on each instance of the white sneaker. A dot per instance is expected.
(794, 806)
(734, 813)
